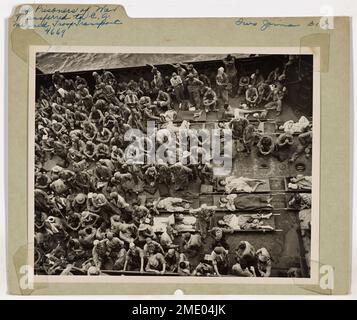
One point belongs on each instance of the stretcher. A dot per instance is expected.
(216, 202)
(161, 222)
(270, 185)
(264, 187)
(267, 222)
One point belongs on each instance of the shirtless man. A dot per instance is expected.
(155, 263)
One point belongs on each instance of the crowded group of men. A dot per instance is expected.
(91, 212)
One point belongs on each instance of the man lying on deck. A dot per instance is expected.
(240, 184)
(300, 182)
(245, 222)
(245, 202)
(172, 204)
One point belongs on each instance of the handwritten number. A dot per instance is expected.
(26, 17)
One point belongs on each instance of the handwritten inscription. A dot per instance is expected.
(266, 24)
(56, 21)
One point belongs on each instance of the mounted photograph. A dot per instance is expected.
(149, 163)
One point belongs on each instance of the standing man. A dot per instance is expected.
(194, 90)
(230, 65)
(177, 84)
(223, 85)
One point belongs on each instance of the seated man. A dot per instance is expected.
(284, 140)
(264, 92)
(300, 201)
(246, 202)
(245, 222)
(210, 100)
(134, 258)
(156, 263)
(305, 146)
(243, 85)
(277, 102)
(163, 100)
(251, 96)
(266, 145)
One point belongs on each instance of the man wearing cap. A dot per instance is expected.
(79, 202)
(145, 231)
(96, 201)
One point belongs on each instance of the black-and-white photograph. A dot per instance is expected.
(173, 164)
